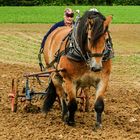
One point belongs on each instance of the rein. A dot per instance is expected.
(59, 53)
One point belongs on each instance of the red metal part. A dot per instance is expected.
(13, 96)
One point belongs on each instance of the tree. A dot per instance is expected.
(109, 2)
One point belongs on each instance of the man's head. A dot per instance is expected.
(68, 16)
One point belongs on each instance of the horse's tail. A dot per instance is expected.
(50, 97)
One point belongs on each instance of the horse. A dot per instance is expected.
(77, 55)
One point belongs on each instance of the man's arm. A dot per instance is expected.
(59, 24)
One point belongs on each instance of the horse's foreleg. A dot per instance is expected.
(64, 107)
(63, 97)
(72, 107)
(61, 94)
(99, 103)
(72, 104)
(99, 108)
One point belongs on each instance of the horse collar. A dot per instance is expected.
(73, 53)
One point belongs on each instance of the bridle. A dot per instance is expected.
(75, 45)
(89, 55)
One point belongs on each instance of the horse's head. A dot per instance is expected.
(92, 31)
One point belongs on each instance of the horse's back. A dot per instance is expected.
(54, 42)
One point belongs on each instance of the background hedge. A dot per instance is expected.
(67, 2)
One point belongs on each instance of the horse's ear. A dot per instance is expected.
(108, 20)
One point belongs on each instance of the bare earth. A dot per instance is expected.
(121, 118)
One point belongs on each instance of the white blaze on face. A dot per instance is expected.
(94, 64)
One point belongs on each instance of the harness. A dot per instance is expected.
(74, 52)
(108, 51)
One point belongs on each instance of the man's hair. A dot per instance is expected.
(69, 11)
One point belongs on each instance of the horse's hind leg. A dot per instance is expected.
(86, 99)
(84, 104)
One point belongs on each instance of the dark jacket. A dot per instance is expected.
(58, 24)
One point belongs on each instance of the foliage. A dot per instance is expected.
(67, 2)
(127, 2)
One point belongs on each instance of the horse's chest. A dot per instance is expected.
(88, 79)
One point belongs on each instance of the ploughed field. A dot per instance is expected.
(19, 46)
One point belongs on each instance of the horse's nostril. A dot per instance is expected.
(96, 69)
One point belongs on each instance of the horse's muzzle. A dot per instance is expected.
(96, 69)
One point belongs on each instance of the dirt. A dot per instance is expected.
(121, 118)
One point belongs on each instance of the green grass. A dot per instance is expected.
(52, 14)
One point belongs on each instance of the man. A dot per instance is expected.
(68, 21)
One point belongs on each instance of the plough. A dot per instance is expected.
(27, 93)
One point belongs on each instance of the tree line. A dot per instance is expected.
(67, 2)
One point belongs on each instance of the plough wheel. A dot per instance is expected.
(14, 96)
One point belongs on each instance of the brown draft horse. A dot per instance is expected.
(79, 56)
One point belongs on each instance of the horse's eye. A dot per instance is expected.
(89, 38)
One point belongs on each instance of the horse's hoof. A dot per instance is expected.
(71, 123)
(68, 122)
(97, 126)
(65, 118)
